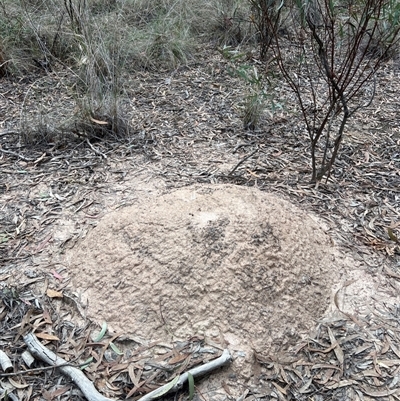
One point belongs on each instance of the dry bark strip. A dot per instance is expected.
(5, 362)
(86, 386)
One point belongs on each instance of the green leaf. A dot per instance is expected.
(86, 363)
(168, 387)
(102, 332)
(191, 386)
(116, 349)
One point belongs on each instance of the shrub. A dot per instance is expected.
(330, 64)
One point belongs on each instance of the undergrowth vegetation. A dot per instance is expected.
(327, 51)
(151, 33)
(99, 42)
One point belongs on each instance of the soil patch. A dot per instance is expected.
(218, 261)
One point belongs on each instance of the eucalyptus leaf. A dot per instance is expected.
(86, 363)
(168, 387)
(102, 332)
(116, 349)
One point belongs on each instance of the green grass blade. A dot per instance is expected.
(191, 386)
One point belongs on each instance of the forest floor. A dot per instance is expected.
(186, 129)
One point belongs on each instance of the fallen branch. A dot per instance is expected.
(39, 351)
(223, 360)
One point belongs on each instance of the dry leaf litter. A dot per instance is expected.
(188, 130)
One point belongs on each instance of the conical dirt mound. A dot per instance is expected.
(220, 261)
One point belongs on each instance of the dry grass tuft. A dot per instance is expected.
(97, 42)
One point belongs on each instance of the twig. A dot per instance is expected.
(242, 161)
(95, 150)
(37, 370)
(8, 132)
(10, 152)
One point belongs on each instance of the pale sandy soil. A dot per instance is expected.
(242, 268)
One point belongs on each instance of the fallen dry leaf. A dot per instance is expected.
(54, 294)
(46, 336)
(98, 121)
(177, 359)
(16, 384)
